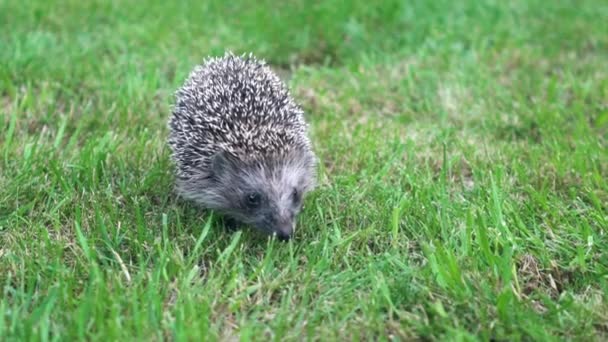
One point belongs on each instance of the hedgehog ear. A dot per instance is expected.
(223, 162)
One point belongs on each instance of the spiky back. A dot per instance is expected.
(235, 104)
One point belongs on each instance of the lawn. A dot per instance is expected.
(463, 183)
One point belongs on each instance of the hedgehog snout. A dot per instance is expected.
(283, 227)
(285, 230)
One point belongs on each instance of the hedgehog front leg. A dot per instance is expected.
(231, 225)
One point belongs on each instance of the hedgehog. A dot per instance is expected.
(240, 144)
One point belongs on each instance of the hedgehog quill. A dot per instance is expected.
(240, 144)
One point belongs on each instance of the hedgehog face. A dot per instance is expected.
(265, 194)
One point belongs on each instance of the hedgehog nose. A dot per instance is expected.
(283, 236)
(285, 232)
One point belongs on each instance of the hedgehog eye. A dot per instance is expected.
(253, 199)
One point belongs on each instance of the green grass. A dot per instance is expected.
(463, 187)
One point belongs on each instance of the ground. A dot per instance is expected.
(463, 183)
